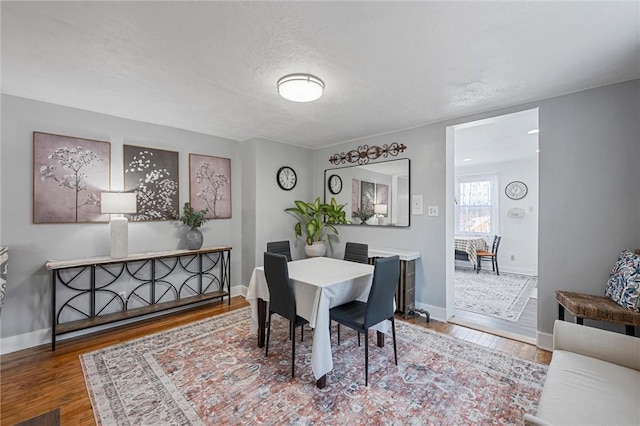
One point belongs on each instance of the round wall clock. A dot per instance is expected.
(286, 178)
(335, 184)
(516, 190)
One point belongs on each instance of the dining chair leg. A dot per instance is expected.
(497, 270)
(292, 329)
(393, 330)
(266, 350)
(301, 333)
(479, 261)
(358, 339)
(338, 334)
(366, 359)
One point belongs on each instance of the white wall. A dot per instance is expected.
(519, 235)
(589, 199)
(27, 307)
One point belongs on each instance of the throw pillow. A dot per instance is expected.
(623, 286)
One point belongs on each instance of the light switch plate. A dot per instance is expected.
(417, 205)
(432, 211)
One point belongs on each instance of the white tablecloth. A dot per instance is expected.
(319, 284)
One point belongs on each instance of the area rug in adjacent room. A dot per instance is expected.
(500, 296)
(212, 373)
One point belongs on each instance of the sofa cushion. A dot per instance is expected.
(581, 390)
(623, 285)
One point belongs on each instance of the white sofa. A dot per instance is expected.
(593, 379)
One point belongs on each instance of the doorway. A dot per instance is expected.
(492, 189)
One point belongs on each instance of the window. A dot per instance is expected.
(476, 209)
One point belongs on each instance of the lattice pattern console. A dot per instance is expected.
(96, 291)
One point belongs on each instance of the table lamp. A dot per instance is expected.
(117, 204)
(380, 210)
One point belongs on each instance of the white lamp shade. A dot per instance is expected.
(380, 209)
(300, 87)
(118, 202)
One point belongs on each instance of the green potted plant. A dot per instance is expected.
(317, 220)
(193, 219)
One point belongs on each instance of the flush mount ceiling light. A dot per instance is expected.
(533, 131)
(300, 87)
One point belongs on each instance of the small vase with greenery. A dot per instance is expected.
(364, 215)
(317, 220)
(193, 219)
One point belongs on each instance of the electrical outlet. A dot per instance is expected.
(513, 257)
(433, 211)
(123, 294)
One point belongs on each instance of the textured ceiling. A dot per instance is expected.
(212, 67)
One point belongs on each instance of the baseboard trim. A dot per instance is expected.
(43, 336)
(545, 341)
(435, 312)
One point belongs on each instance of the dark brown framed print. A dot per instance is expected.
(153, 174)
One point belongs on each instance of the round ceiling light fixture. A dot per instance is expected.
(300, 87)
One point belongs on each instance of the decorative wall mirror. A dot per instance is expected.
(375, 194)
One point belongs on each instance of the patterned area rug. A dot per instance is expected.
(212, 372)
(501, 296)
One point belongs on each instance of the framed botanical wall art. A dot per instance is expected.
(355, 196)
(69, 174)
(153, 175)
(210, 185)
(382, 194)
(367, 196)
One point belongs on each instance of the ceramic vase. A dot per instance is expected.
(317, 249)
(194, 239)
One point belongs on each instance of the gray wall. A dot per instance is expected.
(28, 302)
(589, 189)
(589, 197)
(272, 223)
(589, 200)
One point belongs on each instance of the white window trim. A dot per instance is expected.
(495, 206)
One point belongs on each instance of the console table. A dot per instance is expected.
(94, 291)
(406, 290)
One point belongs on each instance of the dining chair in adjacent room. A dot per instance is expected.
(282, 300)
(493, 255)
(356, 252)
(280, 247)
(360, 316)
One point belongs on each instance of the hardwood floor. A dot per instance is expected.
(36, 380)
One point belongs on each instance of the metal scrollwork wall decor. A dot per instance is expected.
(364, 153)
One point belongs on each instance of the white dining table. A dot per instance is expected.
(319, 284)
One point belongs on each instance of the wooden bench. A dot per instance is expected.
(599, 308)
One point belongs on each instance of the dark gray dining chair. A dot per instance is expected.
(282, 300)
(361, 316)
(280, 247)
(356, 252)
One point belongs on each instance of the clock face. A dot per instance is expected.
(335, 184)
(516, 190)
(286, 178)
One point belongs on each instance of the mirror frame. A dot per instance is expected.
(347, 186)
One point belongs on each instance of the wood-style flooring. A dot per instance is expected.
(36, 380)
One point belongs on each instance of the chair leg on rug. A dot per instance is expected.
(266, 346)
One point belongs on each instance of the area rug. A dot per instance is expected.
(501, 296)
(212, 373)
